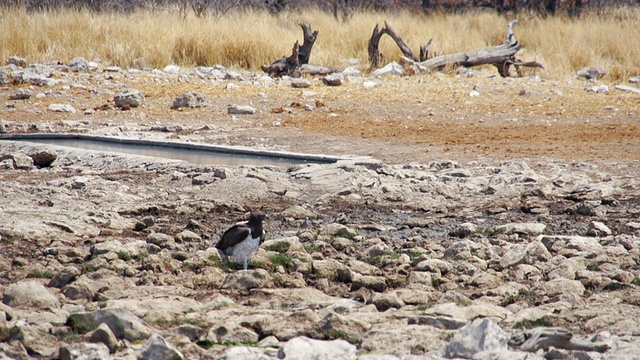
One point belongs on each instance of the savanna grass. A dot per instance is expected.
(249, 39)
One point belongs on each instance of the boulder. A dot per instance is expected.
(122, 323)
(129, 98)
(44, 157)
(477, 336)
(30, 294)
(304, 348)
(190, 99)
(84, 351)
(157, 348)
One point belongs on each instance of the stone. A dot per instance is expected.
(19, 161)
(190, 99)
(17, 61)
(122, 323)
(600, 89)
(560, 286)
(479, 335)
(465, 229)
(383, 302)
(80, 64)
(532, 229)
(21, 94)
(592, 73)
(129, 98)
(30, 294)
(241, 110)
(84, 351)
(245, 353)
(598, 229)
(335, 79)
(300, 83)
(515, 255)
(304, 348)
(298, 212)
(247, 280)
(375, 283)
(391, 69)
(44, 157)
(64, 277)
(171, 69)
(65, 108)
(104, 335)
(157, 348)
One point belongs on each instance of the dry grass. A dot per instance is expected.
(250, 39)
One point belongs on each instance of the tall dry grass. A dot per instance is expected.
(250, 39)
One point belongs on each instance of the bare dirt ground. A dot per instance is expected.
(399, 120)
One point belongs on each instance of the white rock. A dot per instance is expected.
(132, 98)
(597, 228)
(474, 94)
(303, 348)
(157, 348)
(245, 353)
(599, 89)
(523, 228)
(62, 108)
(391, 69)
(84, 351)
(241, 110)
(480, 335)
(171, 69)
(30, 294)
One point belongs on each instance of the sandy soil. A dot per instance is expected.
(399, 120)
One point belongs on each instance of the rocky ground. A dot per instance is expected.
(495, 218)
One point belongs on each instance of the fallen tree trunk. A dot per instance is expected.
(501, 56)
(545, 337)
(376, 57)
(299, 55)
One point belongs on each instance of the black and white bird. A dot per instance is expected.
(242, 239)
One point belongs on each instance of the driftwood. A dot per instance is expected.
(501, 56)
(545, 337)
(376, 57)
(299, 55)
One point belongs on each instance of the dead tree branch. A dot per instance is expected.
(501, 56)
(545, 337)
(376, 57)
(300, 55)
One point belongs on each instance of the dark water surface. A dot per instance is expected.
(195, 156)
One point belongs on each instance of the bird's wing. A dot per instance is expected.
(233, 236)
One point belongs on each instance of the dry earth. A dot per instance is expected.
(514, 200)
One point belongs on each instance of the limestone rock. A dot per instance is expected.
(64, 108)
(479, 335)
(241, 110)
(597, 228)
(190, 99)
(30, 294)
(129, 98)
(157, 348)
(303, 348)
(245, 353)
(300, 83)
(104, 335)
(523, 228)
(247, 280)
(335, 79)
(122, 323)
(19, 161)
(391, 69)
(21, 94)
(84, 351)
(80, 64)
(44, 157)
(17, 61)
(384, 302)
(64, 277)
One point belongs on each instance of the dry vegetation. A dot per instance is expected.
(248, 39)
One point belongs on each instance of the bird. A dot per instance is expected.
(242, 239)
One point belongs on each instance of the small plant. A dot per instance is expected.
(530, 324)
(281, 259)
(313, 248)
(143, 256)
(415, 254)
(280, 247)
(124, 256)
(343, 233)
(447, 336)
(41, 274)
(423, 307)
(376, 261)
(334, 334)
(635, 281)
(436, 282)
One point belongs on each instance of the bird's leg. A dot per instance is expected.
(223, 256)
(246, 263)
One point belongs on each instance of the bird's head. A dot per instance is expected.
(257, 216)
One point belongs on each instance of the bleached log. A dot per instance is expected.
(501, 56)
(538, 338)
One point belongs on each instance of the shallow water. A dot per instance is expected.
(203, 157)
